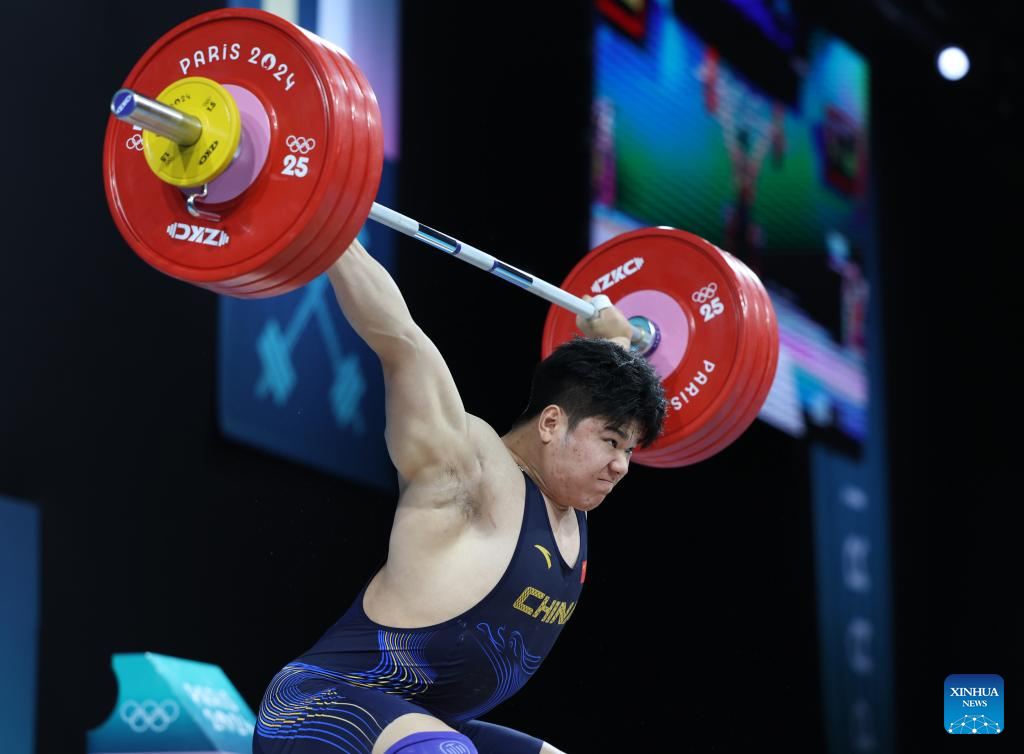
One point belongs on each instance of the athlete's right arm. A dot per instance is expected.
(427, 425)
(610, 324)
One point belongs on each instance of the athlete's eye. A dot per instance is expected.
(613, 442)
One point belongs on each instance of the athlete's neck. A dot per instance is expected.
(522, 453)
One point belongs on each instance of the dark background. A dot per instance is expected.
(159, 535)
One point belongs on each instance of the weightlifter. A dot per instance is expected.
(488, 550)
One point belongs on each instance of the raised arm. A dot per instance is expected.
(427, 425)
(611, 324)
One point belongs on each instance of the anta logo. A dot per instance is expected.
(538, 605)
(546, 554)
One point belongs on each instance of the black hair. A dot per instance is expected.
(593, 377)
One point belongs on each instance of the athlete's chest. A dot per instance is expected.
(443, 561)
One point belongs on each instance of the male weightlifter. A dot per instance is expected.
(488, 550)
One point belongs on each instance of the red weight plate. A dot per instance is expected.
(773, 363)
(683, 454)
(357, 211)
(767, 378)
(745, 386)
(767, 369)
(748, 386)
(661, 464)
(375, 168)
(352, 211)
(764, 370)
(345, 157)
(356, 161)
(272, 220)
(670, 340)
(731, 394)
(761, 370)
(684, 267)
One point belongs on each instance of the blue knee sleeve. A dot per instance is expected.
(433, 742)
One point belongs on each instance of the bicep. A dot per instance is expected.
(427, 425)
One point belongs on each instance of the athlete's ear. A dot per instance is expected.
(549, 422)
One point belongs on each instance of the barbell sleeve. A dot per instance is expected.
(181, 128)
(641, 339)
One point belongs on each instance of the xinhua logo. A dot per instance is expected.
(973, 703)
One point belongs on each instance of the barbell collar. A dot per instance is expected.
(640, 340)
(649, 335)
(149, 114)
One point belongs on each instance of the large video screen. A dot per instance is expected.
(691, 132)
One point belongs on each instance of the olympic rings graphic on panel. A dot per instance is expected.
(705, 294)
(300, 144)
(149, 715)
(453, 747)
(134, 142)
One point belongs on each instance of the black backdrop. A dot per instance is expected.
(160, 535)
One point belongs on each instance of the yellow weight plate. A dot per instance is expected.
(203, 161)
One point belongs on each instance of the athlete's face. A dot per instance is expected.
(587, 463)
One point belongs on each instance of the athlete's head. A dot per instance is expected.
(594, 378)
(592, 403)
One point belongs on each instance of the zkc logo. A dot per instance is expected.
(973, 703)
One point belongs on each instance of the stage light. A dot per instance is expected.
(953, 63)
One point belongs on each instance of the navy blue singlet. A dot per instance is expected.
(466, 666)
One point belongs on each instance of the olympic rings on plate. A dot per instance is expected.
(705, 294)
(300, 144)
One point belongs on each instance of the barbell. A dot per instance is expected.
(268, 145)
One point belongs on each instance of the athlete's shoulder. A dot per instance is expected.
(489, 446)
(476, 424)
(500, 479)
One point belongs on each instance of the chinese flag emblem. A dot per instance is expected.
(583, 573)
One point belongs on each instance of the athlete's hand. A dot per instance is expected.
(610, 323)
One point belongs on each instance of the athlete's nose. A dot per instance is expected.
(619, 466)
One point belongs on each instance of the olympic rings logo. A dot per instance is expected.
(134, 142)
(705, 294)
(300, 144)
(453, 747)
(149, 715)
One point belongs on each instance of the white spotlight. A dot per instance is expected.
(953, 63)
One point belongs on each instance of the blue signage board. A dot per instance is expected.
(19, 629)
(171, 704)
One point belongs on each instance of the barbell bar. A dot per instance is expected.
(185, 130)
